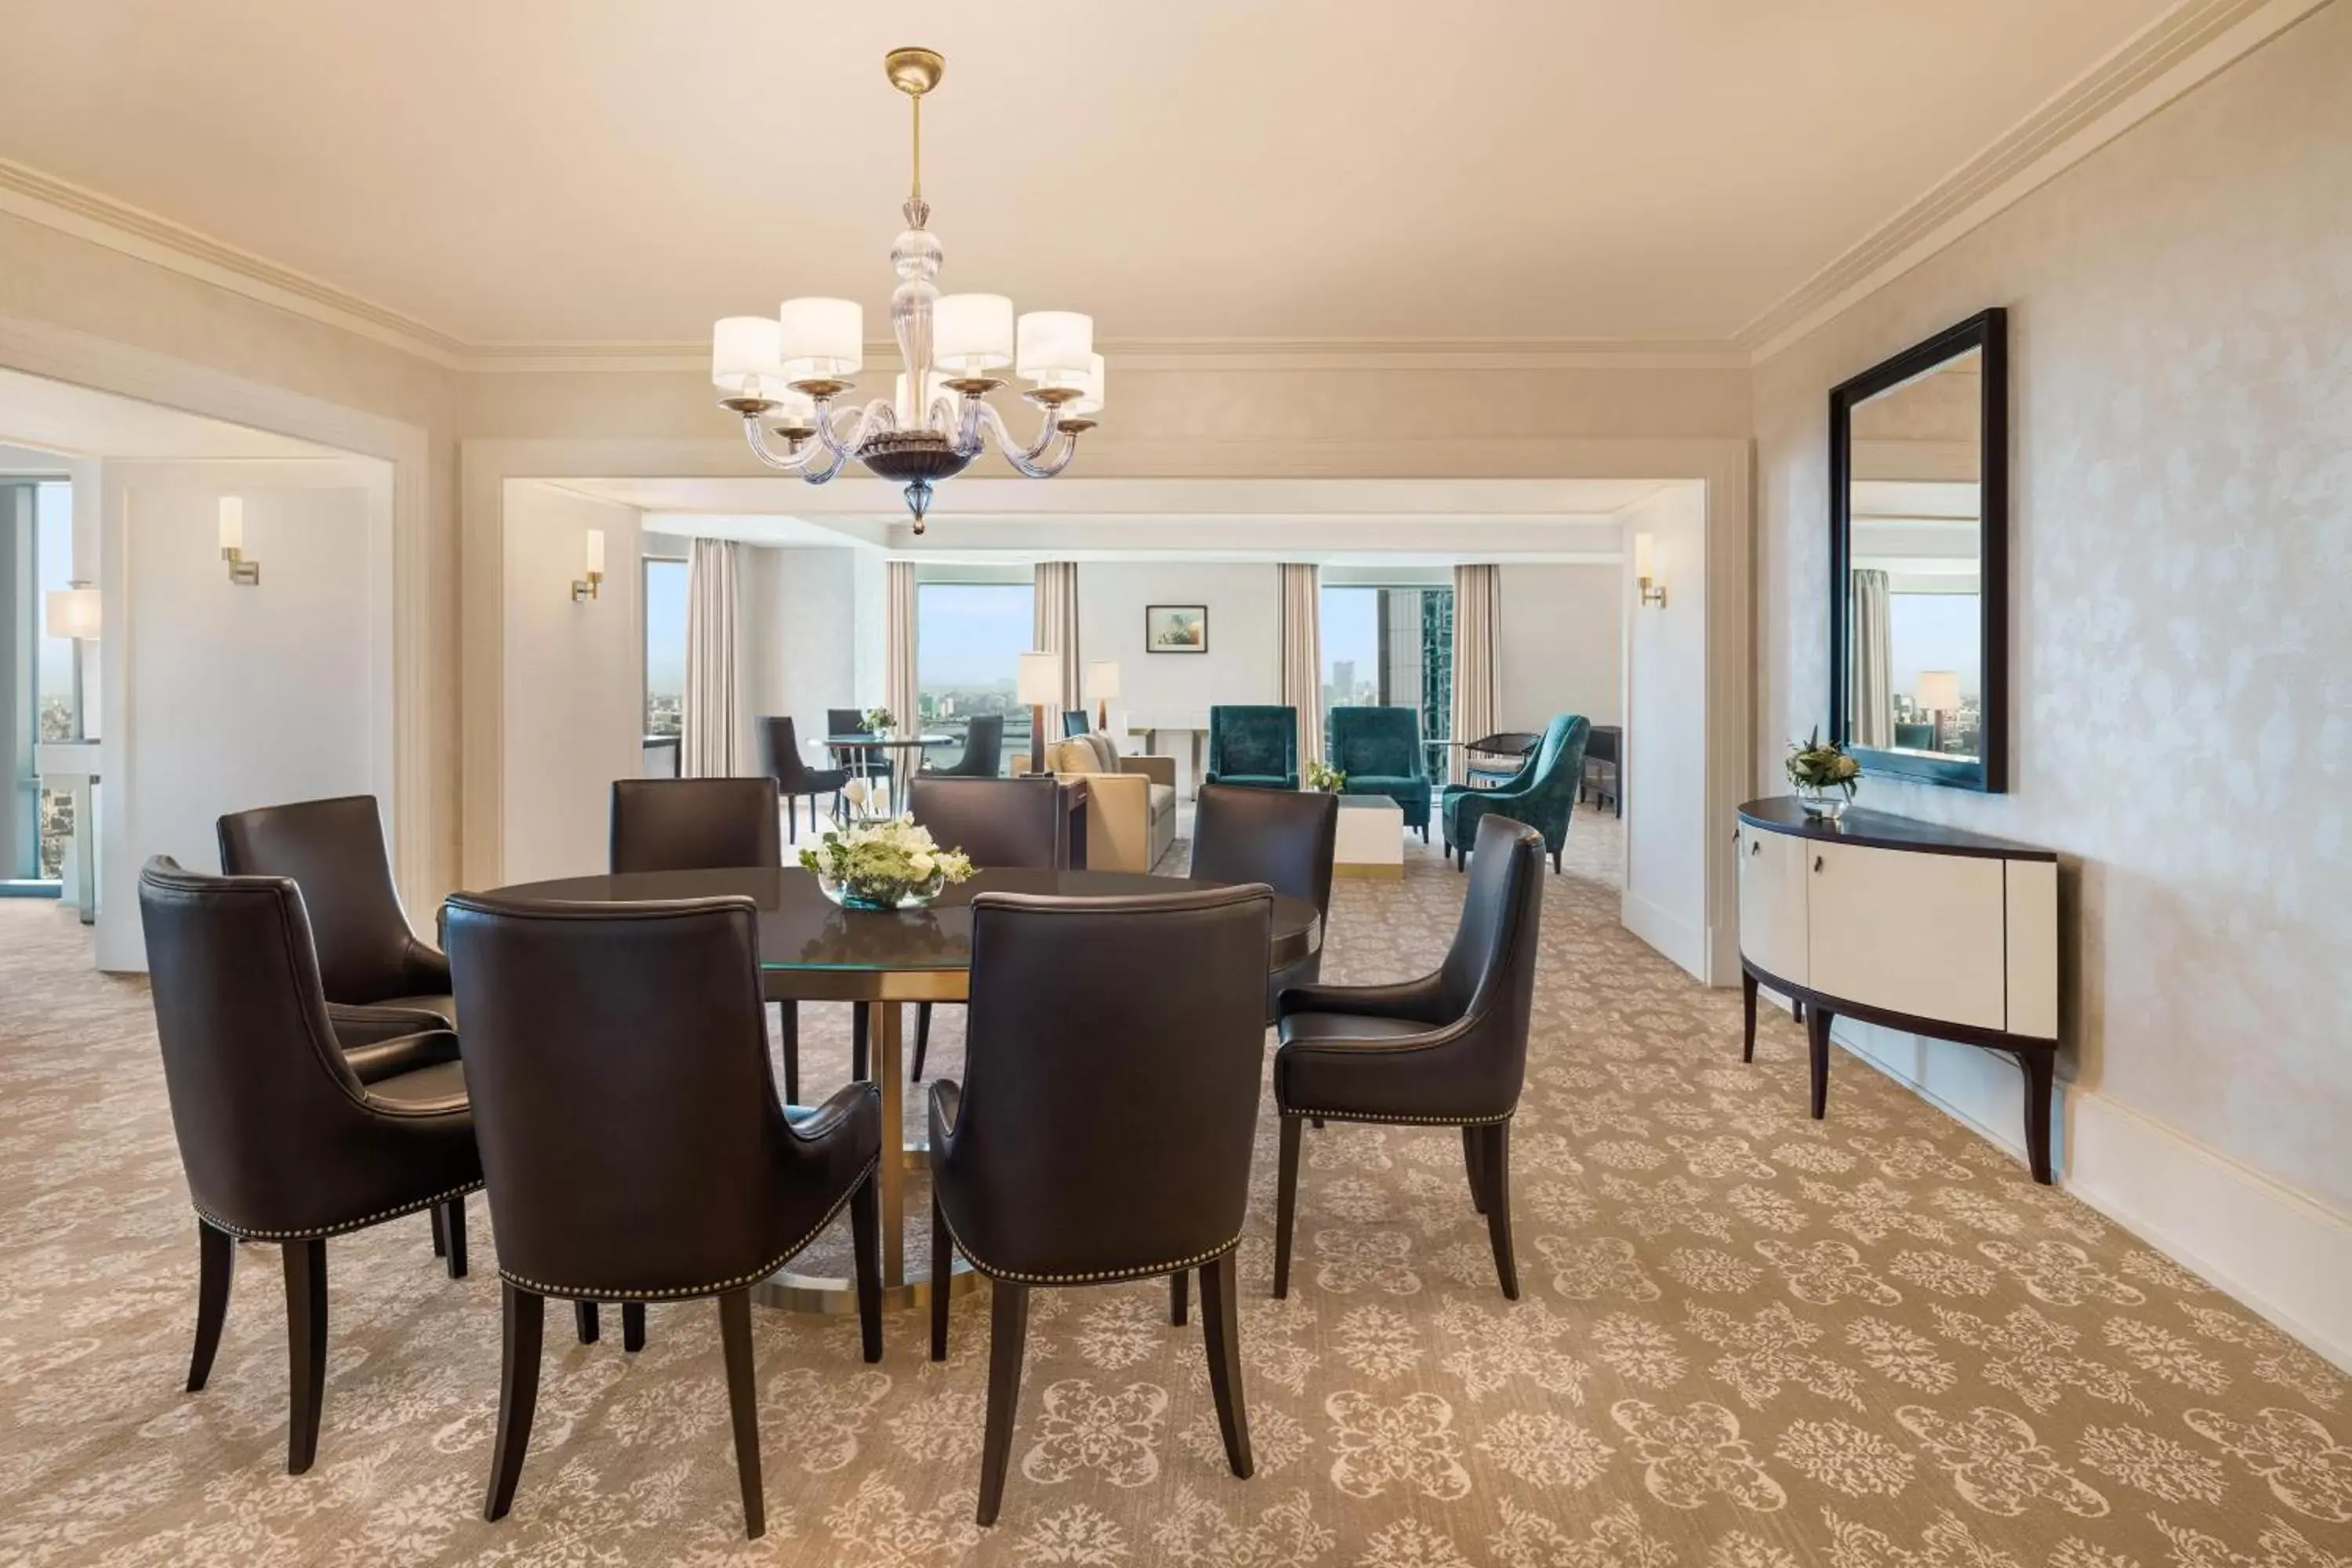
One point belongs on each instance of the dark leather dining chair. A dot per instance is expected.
(1447, 1050)
(279, 1140)
(983, 750)
(1284, 838)
(780, 761)
(997, 822)
(631, 1136)
(1103, 1129)
(873, 764)
(704, 824)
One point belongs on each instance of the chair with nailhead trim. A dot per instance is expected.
(1104, 1127)
(1449, 1049)
(633, 1142)
(280, 1139)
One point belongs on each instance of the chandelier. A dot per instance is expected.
(786, 373)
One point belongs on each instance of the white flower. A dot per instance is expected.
(853, 792)
(921, 862)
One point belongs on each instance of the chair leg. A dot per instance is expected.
(866, 1240)
(1286, 1204)
(1180, 1297)
(1008, 1334)
(1747, 1016)
(744, 1403)
(215, 1268)
(632, 1326)
(306, 1348)
(923, 1037)
(861, 1019)
(440, 1236)
(1462, 857)
(1495, 1165)
(1471, 1139)
(792, 819)
(1555, 864)
(788, 1032)
(942, 1276)
(1221, 1333)
(522, 1315)
(452, 1235)
(583, 1318)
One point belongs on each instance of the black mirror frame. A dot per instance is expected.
(1987, 332)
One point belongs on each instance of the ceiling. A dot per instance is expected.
(544, 171)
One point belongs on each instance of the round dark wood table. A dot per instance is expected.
(811, 950)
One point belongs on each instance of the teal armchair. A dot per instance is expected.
(1379, 750)
(1258, 746)
(1541, 795)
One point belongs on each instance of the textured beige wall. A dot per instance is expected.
(2181, 312)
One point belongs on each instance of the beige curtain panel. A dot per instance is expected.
(713, 717)
(1055, 596)
(1302, 656)
(1478, 659)
(1873, 682)
(899, 662)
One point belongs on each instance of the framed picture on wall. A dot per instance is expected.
(1175, 628)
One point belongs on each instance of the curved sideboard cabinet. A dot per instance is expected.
(1905, 925)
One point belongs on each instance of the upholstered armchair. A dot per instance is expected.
(1379, 750)
(1253, 745)
(1130, 803)
(1540, 795)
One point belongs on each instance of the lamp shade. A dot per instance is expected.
(1102, 679)
(595, 562)
(824, 338)
(71, 613)
(1053, 341)
(745, 351)
(1645, 557)
(1040, 679)
(972, 333)
(1939, 690)
(231, 522)
(1088, 382)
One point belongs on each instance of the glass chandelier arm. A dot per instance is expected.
(1031, 462)
(793, 462)
(841, 431)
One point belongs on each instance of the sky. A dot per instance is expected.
(666, 626)
(971, 634)
(1934, 631)
(53, 554)
(1351, 630)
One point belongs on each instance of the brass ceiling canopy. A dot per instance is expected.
(914, 71)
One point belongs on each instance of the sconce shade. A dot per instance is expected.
(1645, 557)
(596, 551)
(1939, 690)
(1041, 679)
(1102, 679)
(231, 522)
(71, 613)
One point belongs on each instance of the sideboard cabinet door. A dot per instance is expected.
(1915, 933)
(1772, 902)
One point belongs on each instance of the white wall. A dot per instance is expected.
(799, 616)
(226, 696)
(1667, 827)
(1243, 661)
(1563, 643)
(573, 698)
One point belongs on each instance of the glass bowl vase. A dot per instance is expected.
(889, 896)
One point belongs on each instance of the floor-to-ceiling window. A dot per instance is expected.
(1390, 646)
(665, 600)
(36, 561)
(969, 639)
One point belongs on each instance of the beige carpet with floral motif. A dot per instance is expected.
(1747, 1340)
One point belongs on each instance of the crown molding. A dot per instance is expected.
(2186, 46)
(1224, 355)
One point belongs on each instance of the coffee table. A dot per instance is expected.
(1371, 840)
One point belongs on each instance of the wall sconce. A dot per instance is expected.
(585, 588)
(1645, 570)
(243, 572)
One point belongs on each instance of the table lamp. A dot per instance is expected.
(72, 613)
(1102, 684)
(1939, 693)
(1040, 688)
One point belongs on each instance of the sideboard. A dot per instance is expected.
(1902, 923)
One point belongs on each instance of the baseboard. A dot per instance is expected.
(1678, 938)
(2276, 1251)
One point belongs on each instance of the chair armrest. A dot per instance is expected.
(947, 1109)
(1415, 1000)
(357, 1028)
(822, 1122)
(428, 970)
(1158, 770)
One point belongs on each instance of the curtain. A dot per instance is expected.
(713, 718)
(1872, 681)
(898, 663)
(1302, 656)
(1055, 594)
(1478, 659)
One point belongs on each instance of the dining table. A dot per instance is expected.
(813, 950)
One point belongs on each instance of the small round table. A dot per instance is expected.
(811, 950)
(857, 750)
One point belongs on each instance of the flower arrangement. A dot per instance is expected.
(1818, 768)
(878, 720)
(1325, 778)
(887, 865)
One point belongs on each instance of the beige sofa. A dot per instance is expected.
(1130, 803)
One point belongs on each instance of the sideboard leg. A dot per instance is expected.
(1748, 1007)
(2040, 1069)
(1817, 1036)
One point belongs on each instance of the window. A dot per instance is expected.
(969, 639)
(37, 691)
(664, 590)
(55, 690)
(1392, 648)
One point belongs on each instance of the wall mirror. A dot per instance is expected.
(1918, 559)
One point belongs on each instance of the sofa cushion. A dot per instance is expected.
(1163, 801)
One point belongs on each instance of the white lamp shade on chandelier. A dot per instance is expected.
(1040, 681)
(1054, 343)
(1087, 384)
(822, 339)
(71, 613)
(971, 333)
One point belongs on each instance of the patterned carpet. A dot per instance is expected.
(1747, 1340)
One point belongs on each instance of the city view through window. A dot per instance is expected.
(1392, 648)
(665, 645)
(969, 639)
